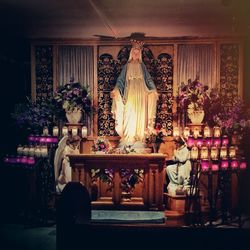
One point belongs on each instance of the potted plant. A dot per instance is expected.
(74, 99)
(191, 99)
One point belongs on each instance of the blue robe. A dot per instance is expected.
(121, 80)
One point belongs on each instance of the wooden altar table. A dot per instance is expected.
(153, 165)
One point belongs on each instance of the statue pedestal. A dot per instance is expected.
(138, 146)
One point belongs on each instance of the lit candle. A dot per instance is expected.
(49, 139)
(25, 150)
(74, 131)
(205, 165)
(224, 164)
(44, 151)
(223, 152)
(217, 131)
(31, 160)
(209, 141)
(6, 159)
(234, 164)
(20, 149)
(38, 152)
(55, 131)
(45, 131)
(32, 151)
(214, 153)
(31, 138)
(42, 139)
(215, 166)
(224, 140)
(243, 164)
(24, 160)
(18, 159)
(194, 153)
(64, 131)
(232, 152)
(196, 132)
(204, 153)
(199, 141)
(190, 141)
(176, 132)
(206, 131)
(186, 132)
(84, 132)
(216, 141)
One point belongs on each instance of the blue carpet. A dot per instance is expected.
(127, 217)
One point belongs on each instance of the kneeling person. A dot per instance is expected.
(179, 169)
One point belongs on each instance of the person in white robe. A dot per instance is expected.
(134, 99)
(71, 147)
(179, 172)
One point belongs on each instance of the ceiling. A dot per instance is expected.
(120, 18)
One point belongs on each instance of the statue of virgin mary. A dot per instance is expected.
(134, 99)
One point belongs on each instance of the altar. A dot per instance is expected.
(153, 178)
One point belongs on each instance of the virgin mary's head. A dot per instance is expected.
(135, 54)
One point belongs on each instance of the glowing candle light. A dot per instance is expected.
(224, 164)
(64, 131)
(243, 164)
(204, 153)
(223, 152)
(224, 140)
(209, 141)
(190, 141)
(204, 165)
(194, 153)
(74, 131)
(232, 152)
(55, 131)
(217, 131)
(45, 131)
(215, 166)
(20, 149)
(207, 132)
(214, 153)
(234, 164)
(31, 160)
(84, 132)
(199, 141)
(186, 132)
(216, 141)
(196, 132)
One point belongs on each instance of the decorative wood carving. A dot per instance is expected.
(44, 72)
(229, 70)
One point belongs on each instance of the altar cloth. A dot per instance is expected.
(127, 217)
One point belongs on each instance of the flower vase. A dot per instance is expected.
(74, 116)
(196, 116)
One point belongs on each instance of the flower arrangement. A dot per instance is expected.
(155, 135)
(73, 96)
(232, 115)
(102, 144)
(192, 96)
(33, 116)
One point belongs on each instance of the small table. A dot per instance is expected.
(153, 165)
